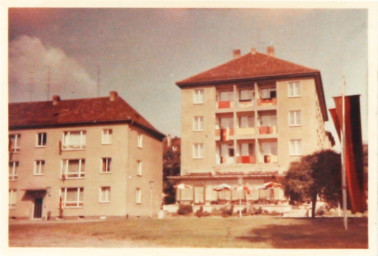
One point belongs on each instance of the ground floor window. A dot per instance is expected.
(72, 197)
(138, 197)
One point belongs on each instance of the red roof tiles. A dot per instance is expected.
(248, 66)
(75, 112)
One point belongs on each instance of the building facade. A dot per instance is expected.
(82, 157)
(244, 122)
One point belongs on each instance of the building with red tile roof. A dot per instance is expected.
(83, 157)
(244, 122)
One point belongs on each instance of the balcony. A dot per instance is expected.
(267, 130)
(227, 160)
(270, 159)
(247, 159)
(224, 134)
(271, 102)
(246, 131)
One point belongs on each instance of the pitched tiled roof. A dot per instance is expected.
(249, 66)
(75, 112)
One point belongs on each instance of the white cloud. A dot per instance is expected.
(29, 62)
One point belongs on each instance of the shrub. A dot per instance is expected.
(184, 209)
(227, 211)
(256, 211)
(201, 213)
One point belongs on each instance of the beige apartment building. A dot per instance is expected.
(244, 122)
(83, 158)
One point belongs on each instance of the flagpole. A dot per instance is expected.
(343, 174)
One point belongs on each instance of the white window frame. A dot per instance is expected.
(66, 145)
(138, 196)
(295, 147)
(198, 123)
(108, 164)
(198, 150)
(104, 195)
(140, 140)
(39, 167)
(249, 91)
(107, 136)
(295, 118)
(139, 168)
(13, 175)
(294, 89)
(41, 137)
(12, 198)
(72, 204)
(80, 174)
(198, 96)
(16, 146)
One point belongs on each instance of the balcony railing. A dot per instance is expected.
(224, 133)
(224, 104)
(227, 160)
(247, 159)
(270, 159)
(267, 102)
(267, 129)
(246, 131)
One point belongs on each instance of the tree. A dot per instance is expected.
(315, 175)
(171, 167)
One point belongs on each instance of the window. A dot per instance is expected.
(14, 143)
(139, 168)
(105, 167)
(106, 137)
(39, 167)
(247, 149)
(75, 140)
(198, 123)
(246, 121)
(198, 150)
(198, 96)
(12, 198)
(41, 139)
(245, 94)
(269, 148)
(294, 89)
(140, 140)
(294, 117)
(73, 168)
(295, 147)
(104, 195)
(268, 93)
(226, 96)
(72, 197)
(138, 196)
(13, 173)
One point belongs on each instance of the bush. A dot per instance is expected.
(256, 211)
(184, 209)
(227, 211)
(201, 213)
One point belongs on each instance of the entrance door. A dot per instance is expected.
(38, 208)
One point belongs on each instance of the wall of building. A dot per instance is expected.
(52, 182)
(150, 181)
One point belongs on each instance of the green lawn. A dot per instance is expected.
(206, 232)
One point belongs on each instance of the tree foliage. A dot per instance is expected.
(315, 175)
(171, 167)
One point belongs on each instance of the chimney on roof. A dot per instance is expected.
(113, 95)
(253, 51)
(270, 50)
(55, 100)
(236, 53)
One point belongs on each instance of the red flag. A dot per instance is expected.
(353, 149)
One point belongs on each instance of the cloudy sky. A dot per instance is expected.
(141, 53)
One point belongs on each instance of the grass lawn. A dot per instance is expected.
(205, 232)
